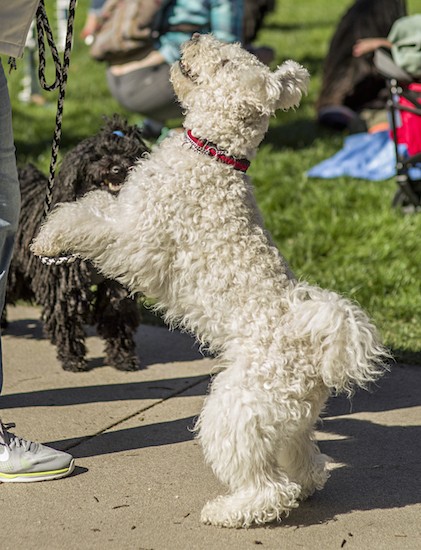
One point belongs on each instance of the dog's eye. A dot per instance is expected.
(224, 62)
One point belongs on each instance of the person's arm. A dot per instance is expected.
(92, 21)
(368, 45)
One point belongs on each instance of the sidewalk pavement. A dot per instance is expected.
(141, 481)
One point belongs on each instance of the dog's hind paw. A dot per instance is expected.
(128, 367)
(126, 363)
(75, 364)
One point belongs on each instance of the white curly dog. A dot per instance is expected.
(186, 230)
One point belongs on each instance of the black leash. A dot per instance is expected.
(62, 69)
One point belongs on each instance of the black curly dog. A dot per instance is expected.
(76, 294)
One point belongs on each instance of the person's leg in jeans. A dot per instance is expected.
(20, 460)
(9, 191)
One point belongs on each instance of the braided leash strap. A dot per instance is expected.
(44, 29)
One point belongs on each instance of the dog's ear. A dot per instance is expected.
(70, 178)
(287, 85)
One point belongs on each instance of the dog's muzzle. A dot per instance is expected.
(115, 178)
(113, 187)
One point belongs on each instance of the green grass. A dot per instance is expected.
(341, 234)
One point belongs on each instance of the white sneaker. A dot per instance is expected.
(24, 461)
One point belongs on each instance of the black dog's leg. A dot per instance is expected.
(65, 310)
(118, 317)
(70, 342)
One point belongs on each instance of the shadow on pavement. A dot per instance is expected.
(148, 435)
(60, 397)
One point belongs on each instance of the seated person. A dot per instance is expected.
(351, 83)
(143, 85)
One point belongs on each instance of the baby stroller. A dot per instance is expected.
(404, 105)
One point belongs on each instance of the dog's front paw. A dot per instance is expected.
(46, 244)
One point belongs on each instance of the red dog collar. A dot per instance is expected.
(212, 150)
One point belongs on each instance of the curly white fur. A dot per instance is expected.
(186, 230)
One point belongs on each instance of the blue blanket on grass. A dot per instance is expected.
(364, 156)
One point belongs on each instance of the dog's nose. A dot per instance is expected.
(195, 36)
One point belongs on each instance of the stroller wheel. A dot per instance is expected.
(402, 202)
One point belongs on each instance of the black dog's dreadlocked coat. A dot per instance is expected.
(76, 294)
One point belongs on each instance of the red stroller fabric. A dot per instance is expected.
(408, 128)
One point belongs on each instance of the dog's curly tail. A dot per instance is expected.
(350, 350)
